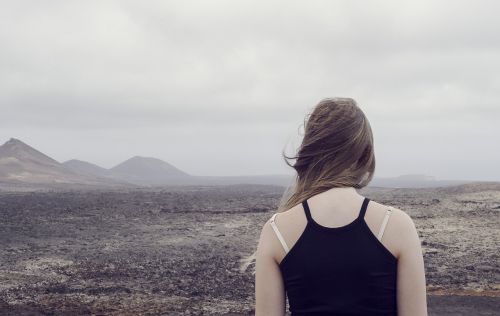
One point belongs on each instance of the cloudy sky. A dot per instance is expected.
(221, 87)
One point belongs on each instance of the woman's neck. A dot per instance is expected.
(339, 194)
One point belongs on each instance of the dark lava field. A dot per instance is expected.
(176, 250)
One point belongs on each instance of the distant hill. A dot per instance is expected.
(87, 168)
(148, 171)
(14, 152)
(21, 164)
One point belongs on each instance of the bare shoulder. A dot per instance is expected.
(265, 239)
(401, 231)
(268, 243)
(290, 224)
(291, 214)
(400, 220)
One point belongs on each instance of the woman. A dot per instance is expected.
(329, 249)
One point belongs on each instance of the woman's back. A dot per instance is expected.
(338, 255)
(329, 258)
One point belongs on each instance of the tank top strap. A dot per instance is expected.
(364, 206)
(307, 211)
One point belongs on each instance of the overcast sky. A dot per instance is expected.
(220, 87)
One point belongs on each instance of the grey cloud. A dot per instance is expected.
(126, 67)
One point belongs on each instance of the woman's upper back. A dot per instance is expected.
(339, 265)
(292, 223)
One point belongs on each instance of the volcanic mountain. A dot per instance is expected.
(87, 168)
(148, 171)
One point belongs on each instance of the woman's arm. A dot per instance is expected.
(269, 289)
(411, 283)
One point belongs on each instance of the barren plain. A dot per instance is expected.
(176, 250)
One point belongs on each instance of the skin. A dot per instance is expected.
(400, 238)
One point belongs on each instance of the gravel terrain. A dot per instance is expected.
(176, 250)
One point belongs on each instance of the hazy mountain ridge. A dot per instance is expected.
(136, 171)
(23, 166)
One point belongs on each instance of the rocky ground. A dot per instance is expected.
(176, 251)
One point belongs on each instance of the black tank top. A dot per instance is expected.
(340, 270)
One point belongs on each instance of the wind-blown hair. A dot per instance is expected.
(336, 151)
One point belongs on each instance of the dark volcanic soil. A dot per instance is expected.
(176, 251)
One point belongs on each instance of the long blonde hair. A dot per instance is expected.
(336, 151)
